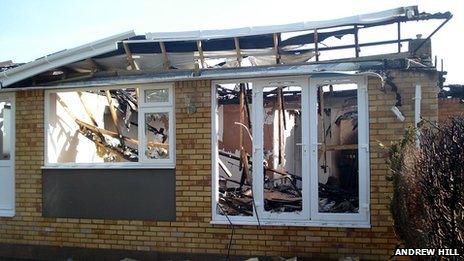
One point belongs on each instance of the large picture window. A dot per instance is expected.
(114, 127)
(291, 151)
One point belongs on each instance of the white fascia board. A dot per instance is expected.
(294, 27)
(48, 62)
(315, 70)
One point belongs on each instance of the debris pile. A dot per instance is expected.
(235, 201)
(332, 199)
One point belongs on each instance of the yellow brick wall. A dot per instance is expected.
(192, 232)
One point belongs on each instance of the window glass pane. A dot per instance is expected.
(234, 149)
(157, 95)
(156, 133)
(338, 153)
(93, 126)
(5, 130)
(282, 149)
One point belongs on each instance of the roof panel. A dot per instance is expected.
(364, 19)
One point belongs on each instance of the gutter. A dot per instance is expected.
(65, 57)
(315, 70)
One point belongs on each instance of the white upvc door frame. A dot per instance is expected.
(310, 215)
(258, 154)
(217, 216)
(7, 167)
(363, 215)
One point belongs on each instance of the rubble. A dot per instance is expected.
(335, 200)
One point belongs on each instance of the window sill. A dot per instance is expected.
(7, 213)
(109, 166)
(252, 222)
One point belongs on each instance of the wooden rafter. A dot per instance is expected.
(242, 116)
(282, 106)
(356, 41)
(276, 47)
(87, 110)
(399, 35)
(247, 106)
(239, 52)
(322, 108)
(115, 135)
(280, 118)
(200, 52)
(244, 166)
(130, 58)
(114, 115)
(96, 67)
(246, 169)
(132, 63)
(224, 168)
(166, 63)
(104, 131)
(316, 44)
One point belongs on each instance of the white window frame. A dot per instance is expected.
(309, 216)
(158, 86)
(142, 107)
(143, 139)
(9, 209)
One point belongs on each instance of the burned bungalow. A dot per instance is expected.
(259, 141)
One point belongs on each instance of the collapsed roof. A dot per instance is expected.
(200, 53)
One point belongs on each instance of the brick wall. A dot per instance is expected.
(386, 128)
(192, 232)
(449, 108)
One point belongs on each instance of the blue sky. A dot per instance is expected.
(32, 28)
